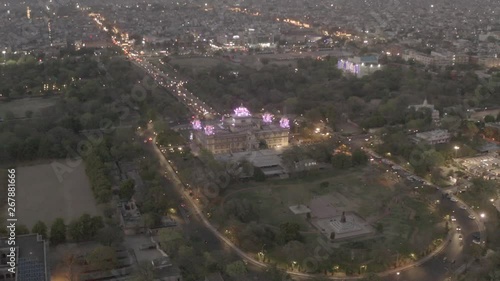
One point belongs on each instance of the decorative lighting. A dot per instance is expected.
(284, 123)
(267, 118)
(209, 130)
(242, 112)
(348, 66)
(196, 124)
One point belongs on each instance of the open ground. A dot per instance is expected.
(20, 106)
(41, 196)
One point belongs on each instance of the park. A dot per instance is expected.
(377, 222)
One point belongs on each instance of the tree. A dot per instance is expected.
(40, 228)
(22, 229)
(258, 174)
(289, 231)
(341, 161)
(241, 209)
(236, 269)
(170, 240)
(102, 258)
(85, 227)
(359, 157)
(276, 274)
(110, 236)
(127, 189)
(58, 232)
(489, 119)
(294, 251)
(144, 272)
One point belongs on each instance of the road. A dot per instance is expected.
(192, 226)
(438, 268)
(173, 83)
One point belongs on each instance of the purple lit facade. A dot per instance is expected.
(284, 123)
(267, 118)
(348, 66)
(196, 124)
(209, 130)
(242, 112)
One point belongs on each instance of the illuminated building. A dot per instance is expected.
(242, 131)
(359, 66)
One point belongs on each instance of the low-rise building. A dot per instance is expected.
(30, 257)
(433, 137)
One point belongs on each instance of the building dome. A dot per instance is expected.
(242, 112)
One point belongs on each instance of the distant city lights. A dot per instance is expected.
(209, 130)
(267, 118)
(196, 124)
(284, 123)
(242, 112)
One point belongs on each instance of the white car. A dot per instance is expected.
(453, 199)
(472, 217)
(463, 207)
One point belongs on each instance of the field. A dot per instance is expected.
(403, 218)
(19, 107)
(41, 196)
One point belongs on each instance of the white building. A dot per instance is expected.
(433, 137)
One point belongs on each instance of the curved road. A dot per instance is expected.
(430, 268)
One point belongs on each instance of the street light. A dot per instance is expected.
(482, 215)
(456, 147)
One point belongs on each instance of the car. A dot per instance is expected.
(453, 218)
(476, 241)
(459, 228)
(453, 199)
(472, 217)
(463, 207)
(460, 237)
(476, 235)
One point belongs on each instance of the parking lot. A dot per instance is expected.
(487, 166)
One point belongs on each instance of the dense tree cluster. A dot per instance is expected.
(98, 176)
(317, 89)
(85, 228)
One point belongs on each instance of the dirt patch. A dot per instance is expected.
(41, 196)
